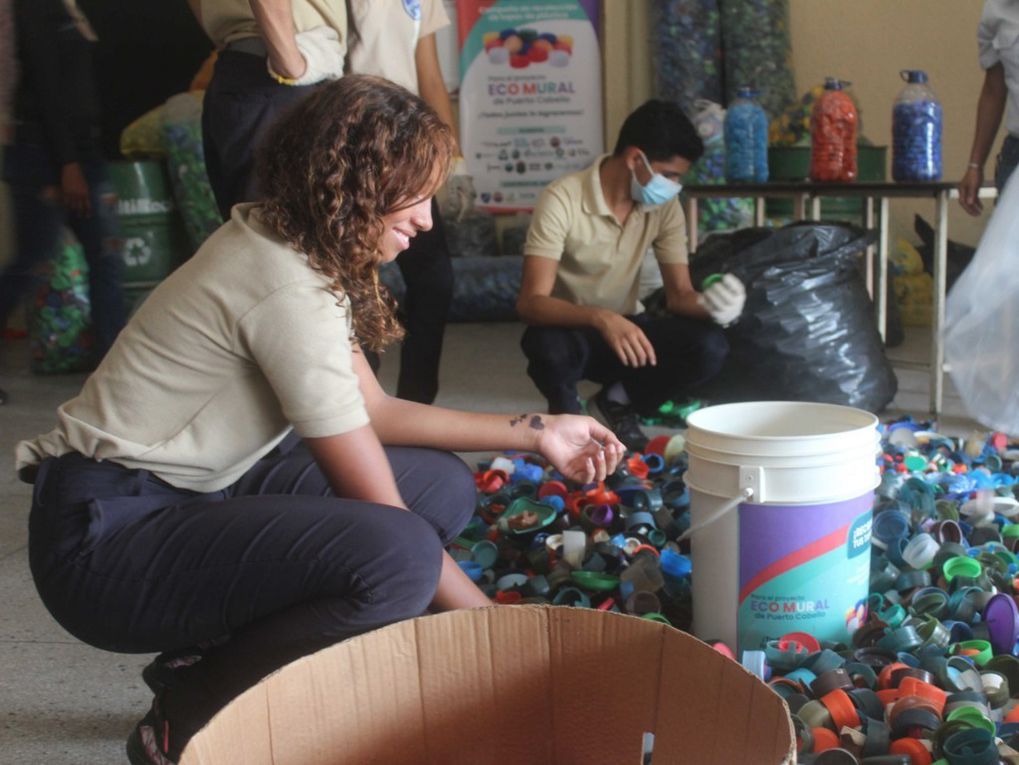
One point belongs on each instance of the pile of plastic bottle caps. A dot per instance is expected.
(931, 676)
(536, 538)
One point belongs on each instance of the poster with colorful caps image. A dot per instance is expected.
(530, 95)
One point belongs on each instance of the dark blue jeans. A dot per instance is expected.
(689, 352)
(276, 562)
(39, 218)
(1007, 161)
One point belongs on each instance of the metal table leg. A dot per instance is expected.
(882, 268)
(800, 207)
(938, 312)
(691, 223)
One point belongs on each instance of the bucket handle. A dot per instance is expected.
(745, 494)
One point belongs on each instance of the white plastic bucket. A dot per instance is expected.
(780, 499)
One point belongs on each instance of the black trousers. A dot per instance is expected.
(240, 105)
(689, 352)
(276, 562)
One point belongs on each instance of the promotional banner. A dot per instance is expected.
(530, 95)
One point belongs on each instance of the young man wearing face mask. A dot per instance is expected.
(582, 263)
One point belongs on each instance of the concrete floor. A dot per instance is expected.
(64, 702)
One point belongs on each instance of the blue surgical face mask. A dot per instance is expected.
(657, 191)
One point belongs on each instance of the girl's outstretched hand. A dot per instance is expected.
(580, 448)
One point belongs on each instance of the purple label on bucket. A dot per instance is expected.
(775, 535)
(803, 567)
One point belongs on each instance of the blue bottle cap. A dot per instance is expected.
(913, 75)
(755, 662)
(472, 569)
(675, 565)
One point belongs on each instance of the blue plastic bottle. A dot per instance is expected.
(916, 130)
(746, 140)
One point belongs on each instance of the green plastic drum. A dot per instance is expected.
(155, 241)
(135, 295)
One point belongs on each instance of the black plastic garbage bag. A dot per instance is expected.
(808, 331)
(958, 255)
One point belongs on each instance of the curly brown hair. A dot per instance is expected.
(330, 168)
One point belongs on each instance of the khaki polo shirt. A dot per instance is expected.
(225, 21)
(235, 347)
(387, 34)
(599, 258)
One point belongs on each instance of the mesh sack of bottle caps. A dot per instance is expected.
(185, 156)
(700, 44)
(484, 288)
(930, 675)
(686, 42)
(60, 327)
(758, 54)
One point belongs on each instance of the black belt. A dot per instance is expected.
(253, 45)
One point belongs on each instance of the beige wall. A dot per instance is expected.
(864, 41)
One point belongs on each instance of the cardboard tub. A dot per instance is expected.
(513, 684)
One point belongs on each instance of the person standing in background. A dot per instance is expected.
(396, 40)
(271, 55)
(998, 40)
(53, 163)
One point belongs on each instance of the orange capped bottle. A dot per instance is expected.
(833, 128)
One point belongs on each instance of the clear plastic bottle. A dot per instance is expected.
(916, 130)
(833, 128)
(746, 139)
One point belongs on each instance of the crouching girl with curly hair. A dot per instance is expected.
(232, 487)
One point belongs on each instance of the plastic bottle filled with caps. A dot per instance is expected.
(834, 123)
(916, 130)
(746, 139)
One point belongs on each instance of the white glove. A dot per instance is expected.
(724, 300)
(459, 196)
(323, 55)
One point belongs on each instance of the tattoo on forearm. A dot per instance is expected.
(535, 422)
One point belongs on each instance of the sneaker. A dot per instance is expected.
(149, 742)
(621, 419)
(163, 670)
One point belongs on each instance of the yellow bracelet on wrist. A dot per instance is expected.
(280, 78)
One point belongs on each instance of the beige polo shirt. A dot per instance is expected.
(227, 20)
(387, 34)
(599, 258)
(236, 346)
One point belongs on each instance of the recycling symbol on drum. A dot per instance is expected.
(137, 251)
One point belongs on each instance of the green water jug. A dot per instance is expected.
(155, 241)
